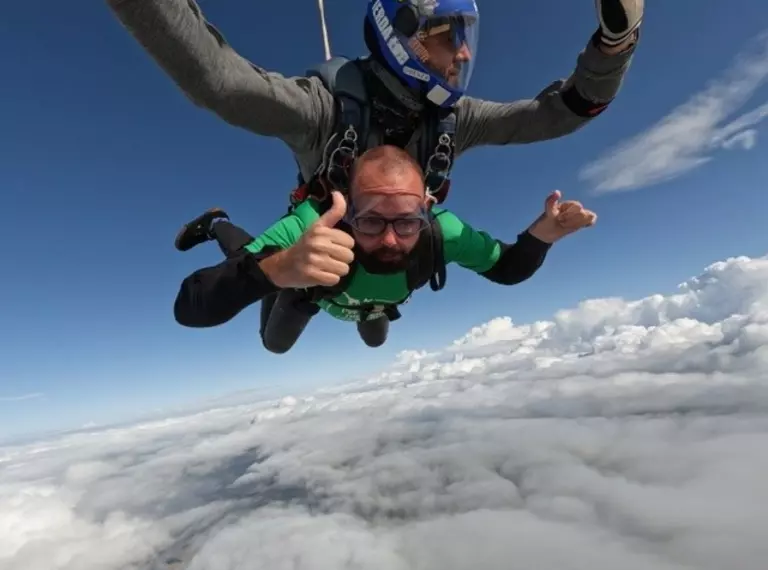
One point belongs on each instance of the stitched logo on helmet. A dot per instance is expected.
(415, 73)
(385, 28)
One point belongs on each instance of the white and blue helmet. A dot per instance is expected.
(406, 31)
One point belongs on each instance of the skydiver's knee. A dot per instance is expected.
(285, 320)
(374, 333)
(374, 342)
(279, 338)
(184, 314)
(276, 344)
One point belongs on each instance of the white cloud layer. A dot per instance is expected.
(619, 434)
(687, 138)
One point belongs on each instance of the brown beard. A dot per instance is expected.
(371, 260)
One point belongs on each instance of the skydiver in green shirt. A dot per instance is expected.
(357, 258)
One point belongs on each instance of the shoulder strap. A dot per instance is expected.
(439, 271)
(429, 266)
(436, 151)
(330, 72)
(344, 80)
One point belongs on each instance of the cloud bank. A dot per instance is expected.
(618, 434)
(688, 137)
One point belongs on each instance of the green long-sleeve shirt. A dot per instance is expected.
(463, 245)
(213, 295)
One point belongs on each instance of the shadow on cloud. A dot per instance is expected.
(619, 433)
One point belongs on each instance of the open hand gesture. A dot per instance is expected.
(560, 219)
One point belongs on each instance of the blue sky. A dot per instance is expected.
(102, 158)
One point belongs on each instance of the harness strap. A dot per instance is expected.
(437, 152)
(344, 79)
(365, 309)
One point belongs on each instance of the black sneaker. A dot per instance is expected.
(196, 232)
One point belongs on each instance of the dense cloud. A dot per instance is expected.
(619, 434)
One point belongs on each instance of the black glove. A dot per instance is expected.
(618, 19)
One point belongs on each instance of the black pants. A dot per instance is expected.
(285, 315)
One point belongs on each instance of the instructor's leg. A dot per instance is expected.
(284, 316)
(374, 332)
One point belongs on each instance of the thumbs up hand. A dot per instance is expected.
(560, 219)
(321, 257)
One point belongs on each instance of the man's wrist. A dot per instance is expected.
(272, 266)
(536, 230)
(545, 237)
(616, 49)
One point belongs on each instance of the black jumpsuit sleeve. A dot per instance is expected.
(213, 295)
(518, 261)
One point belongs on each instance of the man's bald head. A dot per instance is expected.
(386, 170)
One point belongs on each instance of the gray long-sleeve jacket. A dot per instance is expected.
(300, 110)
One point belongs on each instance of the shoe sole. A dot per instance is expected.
(186, 226)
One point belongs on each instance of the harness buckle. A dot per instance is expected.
(437, 172)
(341, 159)
(332, 173)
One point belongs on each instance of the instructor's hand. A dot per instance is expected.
(560, 219)
(321, 257)
(619, 19)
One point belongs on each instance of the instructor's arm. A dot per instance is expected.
(560, 109)
(194, 54)
(565, 105)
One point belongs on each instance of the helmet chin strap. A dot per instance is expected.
(410, 98)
